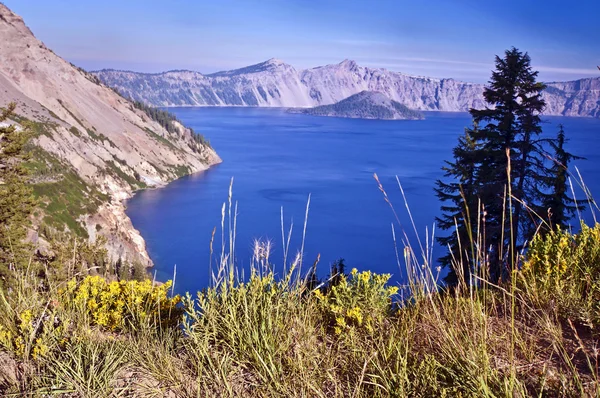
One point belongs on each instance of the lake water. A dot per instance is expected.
(277, 159)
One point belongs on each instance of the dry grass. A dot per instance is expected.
(269, 336)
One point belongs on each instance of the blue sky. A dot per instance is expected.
(439, 38)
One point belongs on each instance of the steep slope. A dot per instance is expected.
(274, 83)
(364, 105)
(92, 148)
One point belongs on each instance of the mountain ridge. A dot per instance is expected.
(274, 83)
(92, 148)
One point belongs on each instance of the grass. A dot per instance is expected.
(181, 170)
(160, 138)
(65, 200)
(37, 128)
(351, 335)
(99, 137)
(63, 196)
(118, 171)
(70, 113)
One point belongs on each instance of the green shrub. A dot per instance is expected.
(362, 301)
(564, 269)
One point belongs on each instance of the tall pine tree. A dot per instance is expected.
(509, 125)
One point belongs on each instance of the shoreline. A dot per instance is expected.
(310, 107)
(123, 204)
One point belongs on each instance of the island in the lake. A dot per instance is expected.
(364, 105)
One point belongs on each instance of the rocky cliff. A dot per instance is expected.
(276, 84)
(92, 148)
(364, 105)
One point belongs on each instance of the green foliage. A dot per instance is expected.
(72, 256)
(181, 170)
(36, 128)
(460, 208)
(133, 182)
(360, 302)
(75, 131)
(160, 139)
(500, 173)
(16, 199)
(269, 338)
(252, 318)
(564, 269)
(100, 137)
(164, 118)
(66, 200)
(561, 207)
(167, 120)
(87, 368)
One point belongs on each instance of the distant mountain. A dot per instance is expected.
(364, 105)
(574, 98)
(274, 83)
(91, 147)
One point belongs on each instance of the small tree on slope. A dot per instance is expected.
(16, 200)
(558, 204)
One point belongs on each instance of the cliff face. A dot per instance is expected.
(576, 98)
(276, 84)
(92, 148)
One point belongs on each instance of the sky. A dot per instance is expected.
(437, 38)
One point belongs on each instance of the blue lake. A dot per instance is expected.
(277, 159)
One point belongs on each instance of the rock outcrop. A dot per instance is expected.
(276, 84)
(92, 147)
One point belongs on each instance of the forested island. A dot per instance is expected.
(364, 105)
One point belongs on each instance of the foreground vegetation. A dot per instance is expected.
(350, 335)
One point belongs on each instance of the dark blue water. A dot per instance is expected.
(278, 159)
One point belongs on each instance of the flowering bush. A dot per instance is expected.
(559, 257)
(122, 305)
(565, 268)
(29, 335)
(358, 301)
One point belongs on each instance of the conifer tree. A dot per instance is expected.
(506, 139)
(461, 211)
(16, 199)
(510, 122)
(558, 204)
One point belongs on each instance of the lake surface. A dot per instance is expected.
(277, 159)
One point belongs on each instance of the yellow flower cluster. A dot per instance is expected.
(26, 317)
(123, 304)
(15, 341)
(6, 338)
(359, 301)
(559, 256)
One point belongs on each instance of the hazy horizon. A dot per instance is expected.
(432, 38)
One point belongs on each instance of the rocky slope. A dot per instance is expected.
(276, 84)
(92, 148)
(364, 105)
